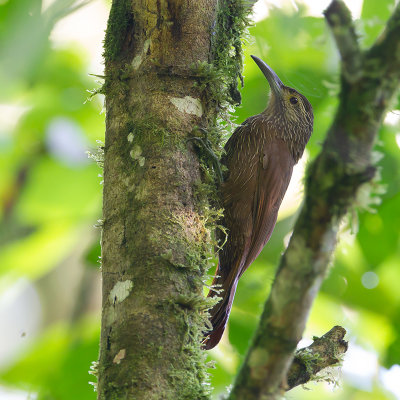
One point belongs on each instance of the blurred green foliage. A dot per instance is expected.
(50, 198)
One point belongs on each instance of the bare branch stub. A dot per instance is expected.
(324, 352)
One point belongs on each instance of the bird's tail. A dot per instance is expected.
(220, 312)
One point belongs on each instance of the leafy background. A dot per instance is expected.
(50, 200)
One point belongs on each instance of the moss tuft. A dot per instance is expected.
(147, 131)
(231, 31)
(98, 154)
(119, 30)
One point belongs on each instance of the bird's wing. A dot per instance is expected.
(237, 192)
(252, 193)
(274, 172)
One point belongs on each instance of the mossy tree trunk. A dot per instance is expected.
(168, 68)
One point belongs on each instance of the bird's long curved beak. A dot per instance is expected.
(273, 79)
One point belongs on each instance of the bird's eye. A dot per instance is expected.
(293, 100)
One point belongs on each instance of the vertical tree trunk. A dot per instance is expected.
(161, 67)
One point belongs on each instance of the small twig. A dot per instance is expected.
(341, 24)
(324, 352)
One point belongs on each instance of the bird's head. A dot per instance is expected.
(286, 107)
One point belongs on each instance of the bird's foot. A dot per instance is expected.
(205, 145)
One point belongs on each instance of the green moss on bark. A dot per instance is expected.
(118, 41)
(228, 37)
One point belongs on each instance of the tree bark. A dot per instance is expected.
(167, 70)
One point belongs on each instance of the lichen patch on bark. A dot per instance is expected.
(119, 356)
(139, 58)
(188, 105)
(109, 315)
(120, 291)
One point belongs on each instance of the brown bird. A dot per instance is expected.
(259, 157)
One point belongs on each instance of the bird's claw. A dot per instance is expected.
(205, 144)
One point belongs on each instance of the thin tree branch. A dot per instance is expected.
(333, 179)
(339, 19)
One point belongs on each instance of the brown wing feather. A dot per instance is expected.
(252, 194)
(274, 175)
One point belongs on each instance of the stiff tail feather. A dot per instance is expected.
(219, 314)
